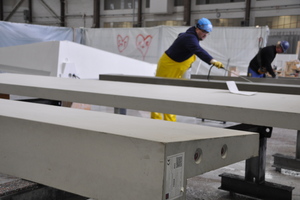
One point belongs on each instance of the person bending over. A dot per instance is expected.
(261, 63)
(178, 58)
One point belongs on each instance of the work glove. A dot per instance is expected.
(217, 64)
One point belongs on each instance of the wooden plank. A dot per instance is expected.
(4, 96)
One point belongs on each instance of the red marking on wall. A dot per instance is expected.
(122, 43)
(143, 44)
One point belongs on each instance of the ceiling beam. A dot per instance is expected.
(50, 10)
(96, 15)
(187, 13)
(14, 10)
(62, 13)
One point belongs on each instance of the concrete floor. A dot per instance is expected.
(205, 186)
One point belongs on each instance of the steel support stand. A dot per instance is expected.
(254, 184)
(121, 111)
(288, 162)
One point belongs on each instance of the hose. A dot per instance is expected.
(211, 66)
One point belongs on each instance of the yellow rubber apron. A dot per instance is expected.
(169, 68)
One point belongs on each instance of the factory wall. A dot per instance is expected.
(79, 13)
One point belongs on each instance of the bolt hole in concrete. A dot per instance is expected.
(224, 151)
(198, 155)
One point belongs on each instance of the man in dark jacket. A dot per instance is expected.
(261, 63)
(181, 54)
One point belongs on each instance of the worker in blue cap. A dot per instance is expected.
(178, 58)
(261, 63)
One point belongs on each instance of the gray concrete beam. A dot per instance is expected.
(279, 80)
(107, 156)
(203, 83)
(265, 109)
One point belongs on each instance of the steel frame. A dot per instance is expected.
(254, 183)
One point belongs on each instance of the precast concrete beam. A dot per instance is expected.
(202, 83)
(279, 80)
(221, 84)
(265, 109)
(107, 156)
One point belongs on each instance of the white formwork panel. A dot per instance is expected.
(107, 156)
(60, 59)
(266, 109)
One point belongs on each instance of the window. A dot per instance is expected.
(147, 3)
(119, 4)
(279, 22)
(227, 22)
(201, 2)
(118, 25)
(166, 23)
(178, 2)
